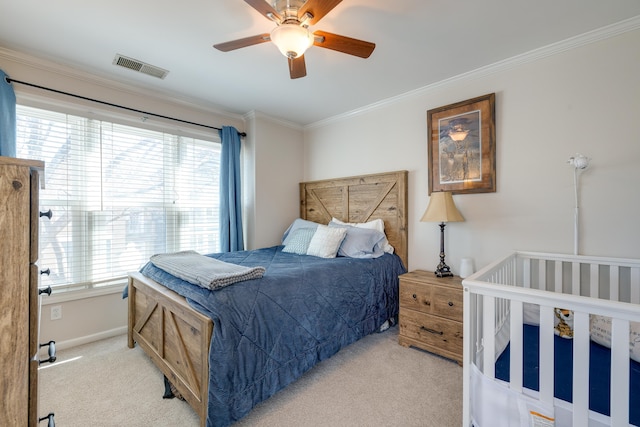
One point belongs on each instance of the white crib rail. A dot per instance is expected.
(586, 285)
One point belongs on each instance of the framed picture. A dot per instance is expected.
(461, 146)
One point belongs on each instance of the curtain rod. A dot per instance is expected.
(10, 80)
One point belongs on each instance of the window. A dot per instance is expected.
(119, 194)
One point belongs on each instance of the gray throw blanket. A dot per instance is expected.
(204, 271)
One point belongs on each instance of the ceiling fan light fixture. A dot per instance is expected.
(292, 39)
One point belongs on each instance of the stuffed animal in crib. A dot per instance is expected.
(564, 323)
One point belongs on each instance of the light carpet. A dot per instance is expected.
(373, 382)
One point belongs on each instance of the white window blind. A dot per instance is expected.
(119, 194)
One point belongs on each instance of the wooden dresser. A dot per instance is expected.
(431, 313)
(19, 293)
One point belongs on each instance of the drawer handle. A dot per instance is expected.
(46, 290)
(48, 214)
(425, 303)
(49, 417)
(52, 352)
(432, 331)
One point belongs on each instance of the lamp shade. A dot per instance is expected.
(442, 209)
(292, 39)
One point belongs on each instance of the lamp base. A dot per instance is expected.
(443, 270)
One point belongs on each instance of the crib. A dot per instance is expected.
(592, 379)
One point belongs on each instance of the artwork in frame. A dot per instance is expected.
(461, 146)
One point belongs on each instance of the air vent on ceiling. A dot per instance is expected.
(141, 67)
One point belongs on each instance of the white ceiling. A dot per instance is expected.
(418, 43)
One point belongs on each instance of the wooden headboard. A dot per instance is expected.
(360, 199)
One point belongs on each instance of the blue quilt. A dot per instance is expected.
(269, 331)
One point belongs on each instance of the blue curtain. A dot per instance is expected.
(7, 117)
(231, 238)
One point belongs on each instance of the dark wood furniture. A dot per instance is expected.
(431, 313)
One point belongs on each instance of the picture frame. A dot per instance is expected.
(461, 146)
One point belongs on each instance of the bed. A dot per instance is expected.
(220, 366)
(552, 339)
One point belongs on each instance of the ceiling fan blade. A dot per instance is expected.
(343, 44)
(317, 8)
(297, 67)
(247, 41)
(265, 9)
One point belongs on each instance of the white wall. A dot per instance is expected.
(85, 319)
(273, 169)
(550, 105)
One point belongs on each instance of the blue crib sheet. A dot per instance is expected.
(599, 372)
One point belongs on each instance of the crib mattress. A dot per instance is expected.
(599, 372)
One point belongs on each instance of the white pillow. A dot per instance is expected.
(326, 241)
(376, 224)
(601, 334)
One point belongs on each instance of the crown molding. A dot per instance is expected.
(95, 80)
(590, 37)
(253, 114)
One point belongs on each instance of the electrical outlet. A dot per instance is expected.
(56, 312)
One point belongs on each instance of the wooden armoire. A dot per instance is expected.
(19, 292)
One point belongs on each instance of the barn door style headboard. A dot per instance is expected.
(361, 199)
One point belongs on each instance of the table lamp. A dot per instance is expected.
(442, 209)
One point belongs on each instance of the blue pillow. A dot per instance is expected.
(296, 224)
(298, 241)
(361, 242)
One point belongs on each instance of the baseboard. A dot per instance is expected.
(61, 345)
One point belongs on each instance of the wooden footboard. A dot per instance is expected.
(177, 337)
(174, 335)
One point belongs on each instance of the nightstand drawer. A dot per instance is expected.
(415, 296)
(447, 303)
(431, 331)
(431, 299)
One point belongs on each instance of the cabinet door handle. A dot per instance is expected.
(48, 214)
(49, 417)
(52, 352)
(450, 304)
(431, 331)
(46, 290)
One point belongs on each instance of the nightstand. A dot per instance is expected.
(431, 313)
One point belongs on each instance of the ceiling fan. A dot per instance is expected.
(292, 35)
